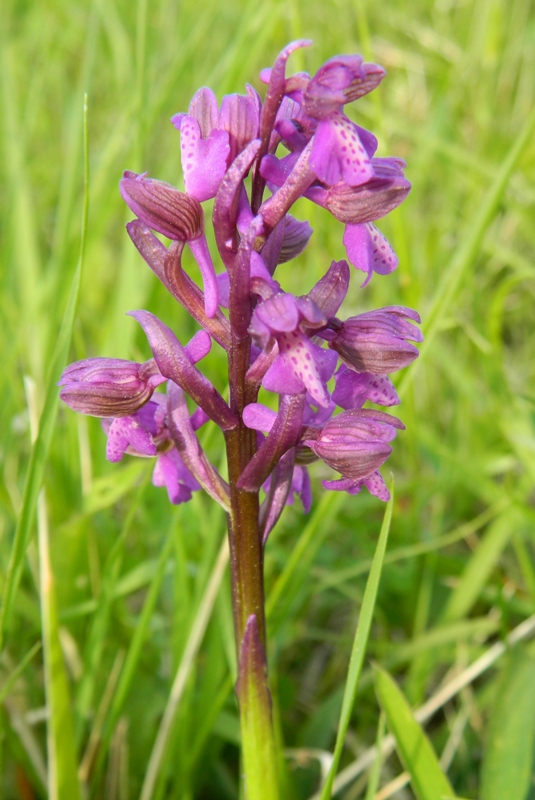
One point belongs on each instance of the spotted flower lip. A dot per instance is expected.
(338, 154)
(378, 341)
(300, 364)
(145, 434)
(162, 207)
(353, 389)
(108, 387)
(374, 483)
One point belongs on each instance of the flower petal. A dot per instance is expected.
(204, 161)
(259, 417)
(368, 250)
(171, 472)
(126, 434)
(338, 154)
(354, 389)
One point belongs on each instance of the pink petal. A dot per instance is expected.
(126, 434)
(204, 161)
(369, 250)
(354, 389)
(302, 355)
(259, 417)
(376, 486)
(338, 154)
(198, 347)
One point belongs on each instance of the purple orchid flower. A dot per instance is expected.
(211, 138)
(355, 443)
(294, 341)
(300, 364)
(176, 215)
(353, 389)
(378, 342)
(145, 434)
(285, 344)
(105, 387)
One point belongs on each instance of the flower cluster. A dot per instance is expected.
(296, 143)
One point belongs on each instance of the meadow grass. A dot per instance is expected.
(129, 596)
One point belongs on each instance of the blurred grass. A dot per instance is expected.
(459, 92)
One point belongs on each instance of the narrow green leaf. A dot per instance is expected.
(140, 633)
(375, 772)
(413, 746)
(62, 767)
(480, 565)
(303, 553)
(19, 669)
(468, 249)
(36, 468)
(508, 762)
(98, 630)
(196, 634)
(413, 550)
(359, 647)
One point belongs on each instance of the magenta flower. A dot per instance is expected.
(353, 389)
(106, 387)
(146, 434)
(176, 215)
(341, 80)
(374, 483)
(294, 341)
(256, 158)
(210, 139)
(162, 207)
(300, 365)
(379, 341)
(355, 443)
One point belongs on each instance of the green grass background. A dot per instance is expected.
(126, 567)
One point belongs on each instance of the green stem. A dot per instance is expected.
(247, 579)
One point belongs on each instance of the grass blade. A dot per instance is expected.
(479, 567)
(12, 679)
(467, 252)
(375, 772)
(179, 684)
(62, 768)
(414, 748)
(134, 651)
(303, 553)
(508, 761)
(359, 647)
(98, 630)
(36, 468)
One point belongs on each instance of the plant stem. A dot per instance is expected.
(247, 578)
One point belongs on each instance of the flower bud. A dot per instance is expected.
(162, 207)
(355, 442)
(377, 342)
(109, 387)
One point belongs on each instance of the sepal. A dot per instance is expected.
(162, 207)
(108, 387)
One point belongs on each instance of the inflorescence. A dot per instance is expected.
(292, 345)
